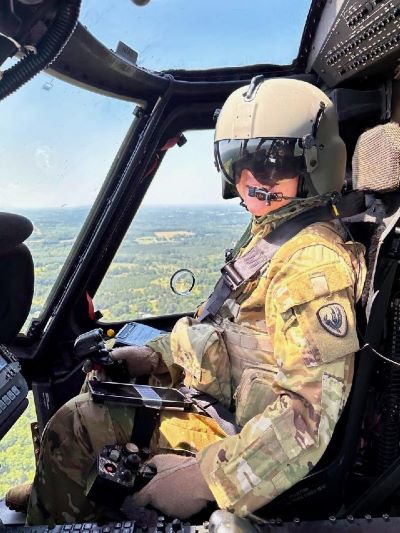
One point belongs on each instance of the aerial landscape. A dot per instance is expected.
(161, 240)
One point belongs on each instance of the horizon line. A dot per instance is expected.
(87, 206)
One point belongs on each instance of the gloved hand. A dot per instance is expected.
(139, 360)
(178, 489)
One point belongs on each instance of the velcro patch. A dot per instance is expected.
(333, 318)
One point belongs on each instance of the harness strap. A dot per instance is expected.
(145, 422)
(214, 409)
(236, 273)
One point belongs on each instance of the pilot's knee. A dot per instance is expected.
(60, 430)
(88, 426)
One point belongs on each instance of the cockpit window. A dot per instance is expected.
(57, 144)
(170, 257)
(200, 34)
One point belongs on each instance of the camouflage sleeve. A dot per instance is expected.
(311, 321)
(195, 354)
(162, 345)
(199, 348)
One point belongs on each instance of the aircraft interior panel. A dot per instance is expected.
(364, 39)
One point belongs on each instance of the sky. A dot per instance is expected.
(57, 142)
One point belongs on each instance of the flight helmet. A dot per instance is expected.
(278, 129)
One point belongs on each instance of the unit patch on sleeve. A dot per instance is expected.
(333, 318)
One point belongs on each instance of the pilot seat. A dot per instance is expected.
(331, 488)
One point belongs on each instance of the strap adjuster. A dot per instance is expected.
(231, 276)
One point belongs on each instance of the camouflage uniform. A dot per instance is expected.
(281, 351)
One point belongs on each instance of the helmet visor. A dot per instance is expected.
(269, 160)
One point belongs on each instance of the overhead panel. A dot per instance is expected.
(364, 40)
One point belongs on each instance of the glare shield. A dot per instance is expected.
(269, 160)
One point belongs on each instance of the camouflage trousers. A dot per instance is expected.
(73, 438)
(70, 443)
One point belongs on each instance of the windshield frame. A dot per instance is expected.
(108, 73)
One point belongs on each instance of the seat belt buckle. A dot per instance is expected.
(228, 254)
(233, 279)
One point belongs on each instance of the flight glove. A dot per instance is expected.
(178, 489)
(139, 360)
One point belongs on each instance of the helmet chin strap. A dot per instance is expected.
(267, 196)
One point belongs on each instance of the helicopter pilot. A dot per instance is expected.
(279, 353)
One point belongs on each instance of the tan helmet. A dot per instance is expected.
(287, 125)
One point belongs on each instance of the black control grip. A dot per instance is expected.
(91, 347)
(118, 472)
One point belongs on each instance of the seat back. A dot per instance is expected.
(16, 292)
(16, 275)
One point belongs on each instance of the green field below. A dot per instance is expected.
(17, 463)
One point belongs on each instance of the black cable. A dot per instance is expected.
(47, 51)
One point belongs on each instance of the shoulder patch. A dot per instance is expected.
(333, 318)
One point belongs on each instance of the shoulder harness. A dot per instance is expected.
(235, 273)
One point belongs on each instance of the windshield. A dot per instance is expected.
(200, 34)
